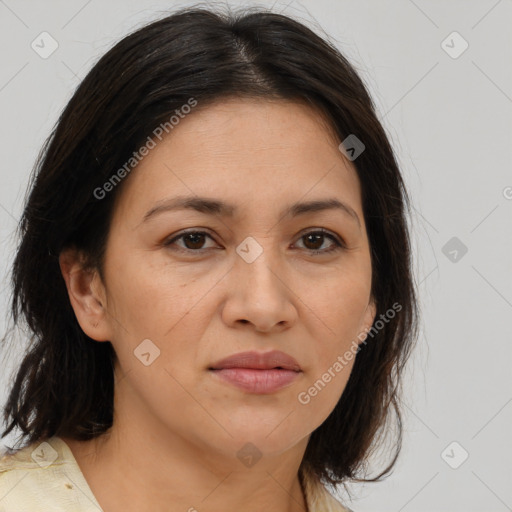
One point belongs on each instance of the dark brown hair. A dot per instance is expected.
(65, 385)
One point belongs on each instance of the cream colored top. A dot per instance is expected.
(46, 477)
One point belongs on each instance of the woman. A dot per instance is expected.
(215, 267)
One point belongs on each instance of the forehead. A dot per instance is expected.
(268, 120)
(247, 151)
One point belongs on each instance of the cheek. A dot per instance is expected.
(340, 305)
(163, 306)
(322, 391)
(148, 299)
(341, 308)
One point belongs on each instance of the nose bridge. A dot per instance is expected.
(257, 265)
(259, 293)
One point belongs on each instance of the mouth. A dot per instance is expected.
(258, 373)
(272, 360)
(257, 381)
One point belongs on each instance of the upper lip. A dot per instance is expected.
(258, 360)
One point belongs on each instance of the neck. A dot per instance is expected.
(127, 470)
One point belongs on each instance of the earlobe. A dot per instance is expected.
(86, 295)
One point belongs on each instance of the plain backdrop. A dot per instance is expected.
(440, 75)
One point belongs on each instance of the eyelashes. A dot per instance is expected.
(337, 245)
(196, 237)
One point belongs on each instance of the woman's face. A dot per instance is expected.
(247, 280)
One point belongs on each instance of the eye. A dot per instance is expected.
(194, 241)
(318, 237)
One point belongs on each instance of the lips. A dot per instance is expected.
(256, 372)
(274, 359)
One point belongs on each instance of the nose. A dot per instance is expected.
(259, 295)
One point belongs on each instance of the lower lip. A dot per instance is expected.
(257, 381)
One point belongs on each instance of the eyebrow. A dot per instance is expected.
(212, 206)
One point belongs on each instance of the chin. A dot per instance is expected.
(267, 439)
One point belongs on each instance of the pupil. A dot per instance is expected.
(318, 237)
(193, 237)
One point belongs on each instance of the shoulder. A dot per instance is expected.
(318, 498)
(41, 476)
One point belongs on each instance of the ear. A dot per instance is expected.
(87, 295)
(369, 317)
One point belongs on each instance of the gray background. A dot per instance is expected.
(448, 116)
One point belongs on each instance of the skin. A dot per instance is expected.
(177, 429)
